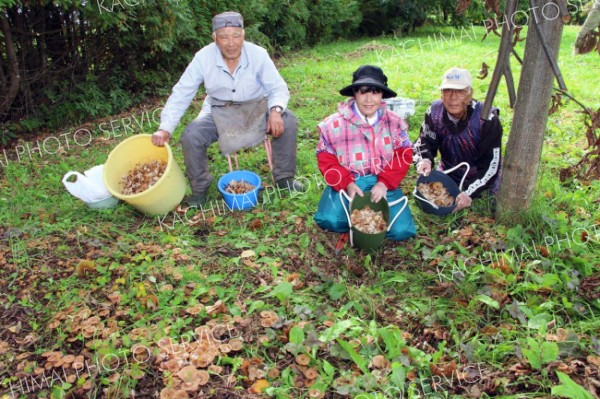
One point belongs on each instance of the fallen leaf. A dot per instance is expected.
(150, 302)
(85, 266)
(16, 328)
(483, 72)
(503, 265)
(259, 386)
(248, 254)
(380, 362)
(543, 251)
(595, 360)
(255, 224)
(443, 369)
(218, 307)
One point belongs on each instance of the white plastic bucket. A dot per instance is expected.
(404, 107)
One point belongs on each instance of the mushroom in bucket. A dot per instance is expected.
(240, 189)
(369, 221)
(436, 193)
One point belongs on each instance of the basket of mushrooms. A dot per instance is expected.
(436, 193)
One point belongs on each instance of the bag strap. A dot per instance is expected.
(72, 173)
(69, 185)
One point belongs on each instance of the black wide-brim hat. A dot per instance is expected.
(369, 75)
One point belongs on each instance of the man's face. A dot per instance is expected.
(230, 41)
(456, 101)
(368, 99)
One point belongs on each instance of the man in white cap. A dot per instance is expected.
(246, 99)
(455, 127)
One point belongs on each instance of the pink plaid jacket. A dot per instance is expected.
(359, 147)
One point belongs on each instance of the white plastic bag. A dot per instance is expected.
(89, 186)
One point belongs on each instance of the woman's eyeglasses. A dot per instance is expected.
(367, 89)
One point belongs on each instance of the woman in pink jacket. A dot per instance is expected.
(364, 147)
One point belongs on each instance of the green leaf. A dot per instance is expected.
(255, 305)
(328, 369)
(488, 301)
(533, 354)
(282, 291)
(569, 388)
(534, 358)
(360, 361)
(304, 240)
(398, 376)
(296, 335)
(393, 341)
(337, 291)
(335, 330)
(321, 249)
(214, 278)
(550, 279)
(539, 321)
(398, 278)
(549, 352)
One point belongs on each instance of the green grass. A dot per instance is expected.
(469, 304)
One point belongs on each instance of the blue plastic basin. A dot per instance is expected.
(239, 202)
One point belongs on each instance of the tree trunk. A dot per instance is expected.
(3, 62)
(85, 61)
(591, 22)
(524, 147)
(14, 78)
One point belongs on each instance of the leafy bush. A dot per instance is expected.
(385, 17)
(285, 24)
(92, 98)
(333, 19)
(121, 52)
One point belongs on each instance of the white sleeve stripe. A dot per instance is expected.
(488, 175)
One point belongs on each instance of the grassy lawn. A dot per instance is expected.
(114, 303)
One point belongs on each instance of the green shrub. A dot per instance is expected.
(118, 53)
(333, 19)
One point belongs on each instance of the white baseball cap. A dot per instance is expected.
(456, 78)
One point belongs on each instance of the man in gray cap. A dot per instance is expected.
(455, 127)
(246, 99)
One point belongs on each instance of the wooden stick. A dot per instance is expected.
(510, 83)
(503, 53)
(517, 56)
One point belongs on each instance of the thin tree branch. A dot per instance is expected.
(551, 58)
(585, 109)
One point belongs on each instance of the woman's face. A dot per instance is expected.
(368, 99)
